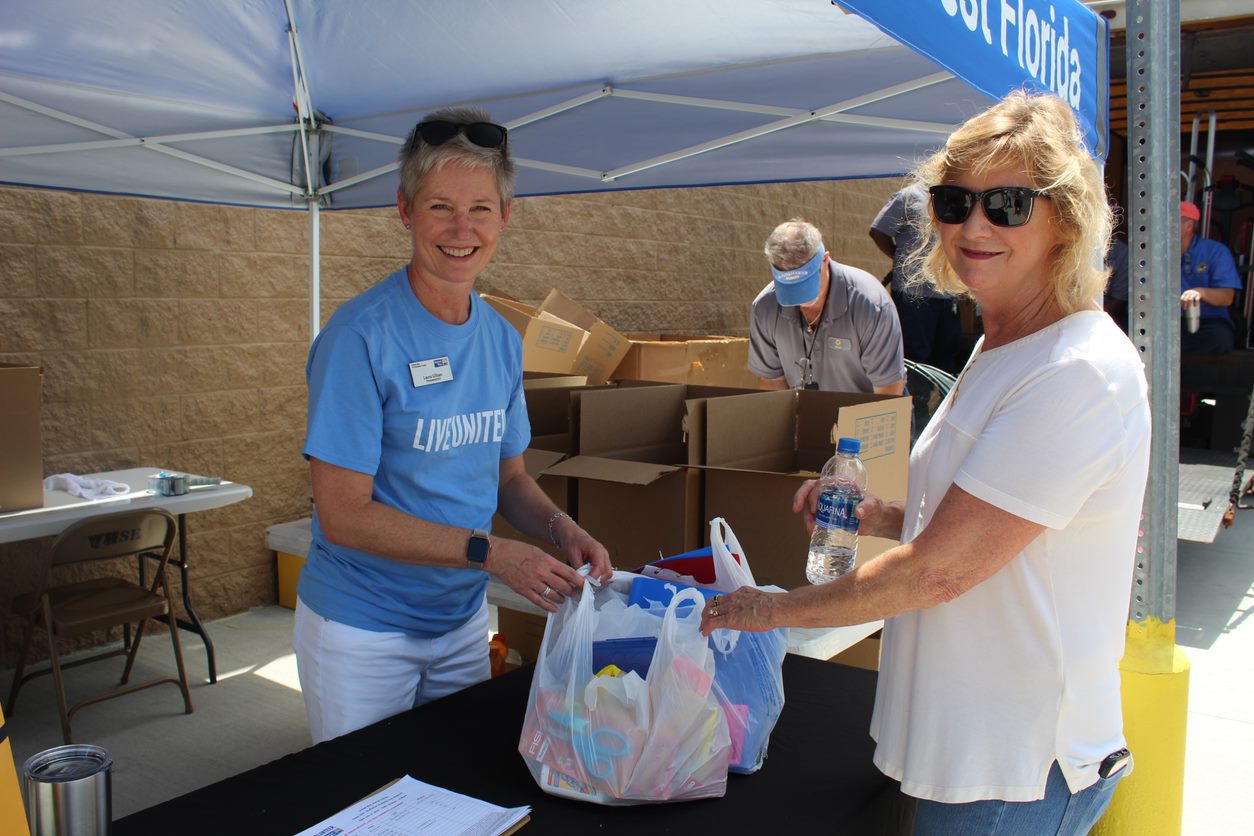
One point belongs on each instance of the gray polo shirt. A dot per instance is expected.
(855, 347)
(898, 221)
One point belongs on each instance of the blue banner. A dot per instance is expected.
(996, 46)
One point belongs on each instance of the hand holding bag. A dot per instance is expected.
(749, 665)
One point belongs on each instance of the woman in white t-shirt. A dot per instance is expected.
(1006, 603)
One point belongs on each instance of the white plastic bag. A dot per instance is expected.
(626, 739)
(750, 665)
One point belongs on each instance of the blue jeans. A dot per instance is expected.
(1059, 813)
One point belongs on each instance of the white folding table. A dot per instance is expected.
(815, 642)
(62, 509)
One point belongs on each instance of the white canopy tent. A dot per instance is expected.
(303, 104)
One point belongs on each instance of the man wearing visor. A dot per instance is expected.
(821, 324)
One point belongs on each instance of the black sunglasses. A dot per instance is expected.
(1004, 206)
(483, 134)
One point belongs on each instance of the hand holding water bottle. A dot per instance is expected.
(876, 517)
(834, 540)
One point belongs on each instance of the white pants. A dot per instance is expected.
(351, 678)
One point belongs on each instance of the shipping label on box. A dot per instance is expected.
(21, 443)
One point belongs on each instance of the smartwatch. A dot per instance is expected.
(1113, 763)
(477, 548)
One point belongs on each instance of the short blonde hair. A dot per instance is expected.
(1039, 134)
(417, 159)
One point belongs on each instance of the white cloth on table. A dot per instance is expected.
(85, 487)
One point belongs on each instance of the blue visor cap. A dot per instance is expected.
(801, 284)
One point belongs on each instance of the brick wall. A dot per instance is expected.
(175, 334)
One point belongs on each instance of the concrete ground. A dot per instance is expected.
(255, 714)
(1214, 605)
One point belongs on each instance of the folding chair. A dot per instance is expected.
(100, 603)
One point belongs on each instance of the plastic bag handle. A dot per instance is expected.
(567, 647)
(668, 636)
(729, 574)
(672, 609)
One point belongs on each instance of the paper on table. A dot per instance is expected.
(409, 807)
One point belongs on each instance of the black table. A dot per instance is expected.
(818, 776)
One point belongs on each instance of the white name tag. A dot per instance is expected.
(426, 372)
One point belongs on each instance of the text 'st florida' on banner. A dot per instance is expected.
(1058, 46)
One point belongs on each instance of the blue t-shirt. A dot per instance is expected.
(1208, 263)
(434, 449)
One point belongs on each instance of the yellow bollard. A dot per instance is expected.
(1155, 677)
(12, 811)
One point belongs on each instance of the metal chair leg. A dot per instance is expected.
(55, 659)
(11, 708)
(134, 650)
(178, 655)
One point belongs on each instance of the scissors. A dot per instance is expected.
(597, 749)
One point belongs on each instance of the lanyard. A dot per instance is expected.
(807, 365)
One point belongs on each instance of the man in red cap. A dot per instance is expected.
(1208, 277)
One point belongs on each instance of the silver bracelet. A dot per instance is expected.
(553, 519)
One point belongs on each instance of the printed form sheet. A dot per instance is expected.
(410, 807)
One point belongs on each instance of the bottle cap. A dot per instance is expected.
(849, 445)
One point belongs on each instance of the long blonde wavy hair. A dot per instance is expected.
(1038, 133)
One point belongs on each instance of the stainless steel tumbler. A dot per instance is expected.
(69, 791)
(1193, 315)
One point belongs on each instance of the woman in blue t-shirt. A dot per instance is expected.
(416, 430)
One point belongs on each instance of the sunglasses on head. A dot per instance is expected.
(1004, 206)
(483, 134)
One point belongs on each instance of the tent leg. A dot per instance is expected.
(315, 272)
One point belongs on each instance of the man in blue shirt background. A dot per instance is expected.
(1208, 276)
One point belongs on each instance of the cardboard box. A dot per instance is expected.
(550, 380)
(759, 448)
(21, 444)
(563, 337)
(553, 411)
(554, 487)
(633, 489)
(549, 343)
(677, 358)
(603, 348)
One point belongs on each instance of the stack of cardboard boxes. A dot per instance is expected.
(644, 464)
(644, 468)
(562, 337)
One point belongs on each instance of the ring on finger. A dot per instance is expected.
(545, 593)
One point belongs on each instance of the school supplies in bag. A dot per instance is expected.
(611, 736)
(748, 665)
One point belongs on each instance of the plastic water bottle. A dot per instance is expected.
(834, 543)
